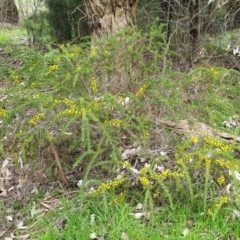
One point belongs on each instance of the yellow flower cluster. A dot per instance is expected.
(141, 90)
(106, 53)
(222, 200)
(218, 203)
(120, 197)
(77, 50)
(74, 108)
(93, 84)
(34, 66)
(71, 52)
(52, 68)
(49, 137)
(36, 119)
(94, 105)
(3, 113)
(107, 186)
(194, 139)
(146, 135)
(227, 164)
(156, 194)
(93, 51)
(126, 164)
(68, 76)
(221, 180)
(144, 170)
(130, 48)
(210, 212)
(186, 157)
(144, 181)
(217, 143)
(167, 173)
(116, 123)
(16, 78)
(208, 162)
(78, 68)
(214, 72)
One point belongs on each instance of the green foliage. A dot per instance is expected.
(203, 169)
(66, 20)
(81, 217)
(37, 28)
(61, 97)
(58, 19)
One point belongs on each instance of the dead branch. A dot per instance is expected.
(61, 173)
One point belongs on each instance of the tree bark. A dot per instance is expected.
(167, 8)
(8, 12)
(194, 28)
(108, 16)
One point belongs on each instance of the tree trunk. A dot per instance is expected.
(167, 8)
(108, 16)
(194, 28)
(59, 20)
(8, 12)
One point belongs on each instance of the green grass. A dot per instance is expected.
(114, 219)
(11, 36)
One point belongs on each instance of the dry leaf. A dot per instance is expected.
(236, 173)
(139, 206)
(2, 233)
(3, 191)
(185, 232)
(235, 214)
(139, 215)
(80, 183)
(158, 168)
(20, 226)
(130, 152)
(9, 218)
(24, 237)
(92, 218)
(93, 236)
(134, 170)
(124, 236)
(228, 188)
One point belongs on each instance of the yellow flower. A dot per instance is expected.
(141, 90)
(3, 113)
(210, 212)
(93, 51)
(52, 68)
(156, 194)
(144, 181)
(93, 84)
(35, 119)
(116, 123)
(126, 164)
(194, 139)
(221, 180)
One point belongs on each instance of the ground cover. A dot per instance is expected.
(160, 161)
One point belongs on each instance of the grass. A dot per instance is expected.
(59, 98)
(10, 36)
(114, 219)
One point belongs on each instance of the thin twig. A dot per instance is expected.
(59, 166)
